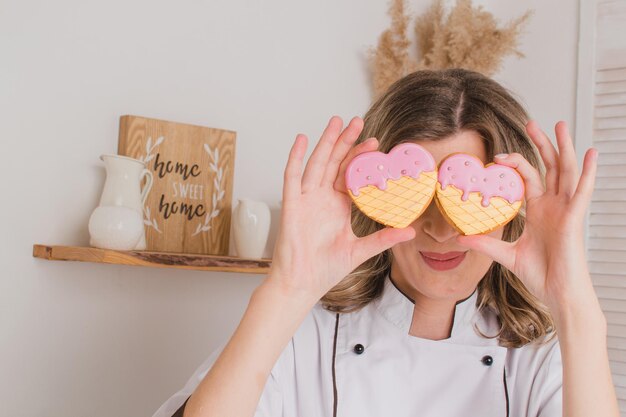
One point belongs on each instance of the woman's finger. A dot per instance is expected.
(343, 145)
(316, 165)
(532, 179)
(499, 250)
(367, 246)
(293, 169)
(548, 153)
(568, 167)
(584, 190)
(368, 145)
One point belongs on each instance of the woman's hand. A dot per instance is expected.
(549, 257)
(316, 246)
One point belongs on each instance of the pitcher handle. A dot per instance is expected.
(146, 189)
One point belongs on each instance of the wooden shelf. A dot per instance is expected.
(153, 259)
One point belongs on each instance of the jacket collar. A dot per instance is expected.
(397, 308)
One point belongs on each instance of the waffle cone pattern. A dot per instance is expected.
(470, 217)
(404, 200)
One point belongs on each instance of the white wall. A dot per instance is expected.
(79, 339)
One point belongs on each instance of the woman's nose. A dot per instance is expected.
(435, 225)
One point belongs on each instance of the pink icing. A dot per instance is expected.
(467, 173)
(375, 168)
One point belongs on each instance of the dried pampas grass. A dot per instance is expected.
(468, 37)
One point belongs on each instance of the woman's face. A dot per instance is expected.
(433, 264)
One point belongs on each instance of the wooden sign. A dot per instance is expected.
(188, 209)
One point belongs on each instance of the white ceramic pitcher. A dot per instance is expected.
(122, 187)
(251, 226)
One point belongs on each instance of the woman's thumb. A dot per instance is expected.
(373, 244)
(498, 250)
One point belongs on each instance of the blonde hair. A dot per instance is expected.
(431, 105)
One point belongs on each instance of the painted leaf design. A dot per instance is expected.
(208, 150)
(148, 145)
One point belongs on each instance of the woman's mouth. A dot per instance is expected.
(443, 261)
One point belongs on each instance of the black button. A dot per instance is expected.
(487, 360)
(359, 348)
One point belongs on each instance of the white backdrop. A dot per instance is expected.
(79, 339)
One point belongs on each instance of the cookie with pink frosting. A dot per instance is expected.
(476, 198)
(393, 188)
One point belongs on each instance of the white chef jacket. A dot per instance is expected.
(365, 363)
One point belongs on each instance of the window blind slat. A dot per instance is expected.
(609, 134)
(603, 219)
(618, 368)
(611, 111)
(616, 306)
(610, 99)
(614, 342)
(609, 195)
(615, 183)
(613, 268)
(608, 207)
(619, 381)
(608, 293)
(616, 74)
(611, 170)
(606, 243)
(613, 86)
(610, 146)
(610, 123)
(617, 355)
(607, 256)
(607, 231)
(617, 330)
(616, 318)
(608, 10)
(611, 58)
(616, 281)
(613, 158)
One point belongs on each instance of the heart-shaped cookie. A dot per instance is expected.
(394, 188)
(476, 198)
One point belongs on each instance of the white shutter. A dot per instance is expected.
(601, 114)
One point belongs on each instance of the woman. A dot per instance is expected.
(421, 321)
